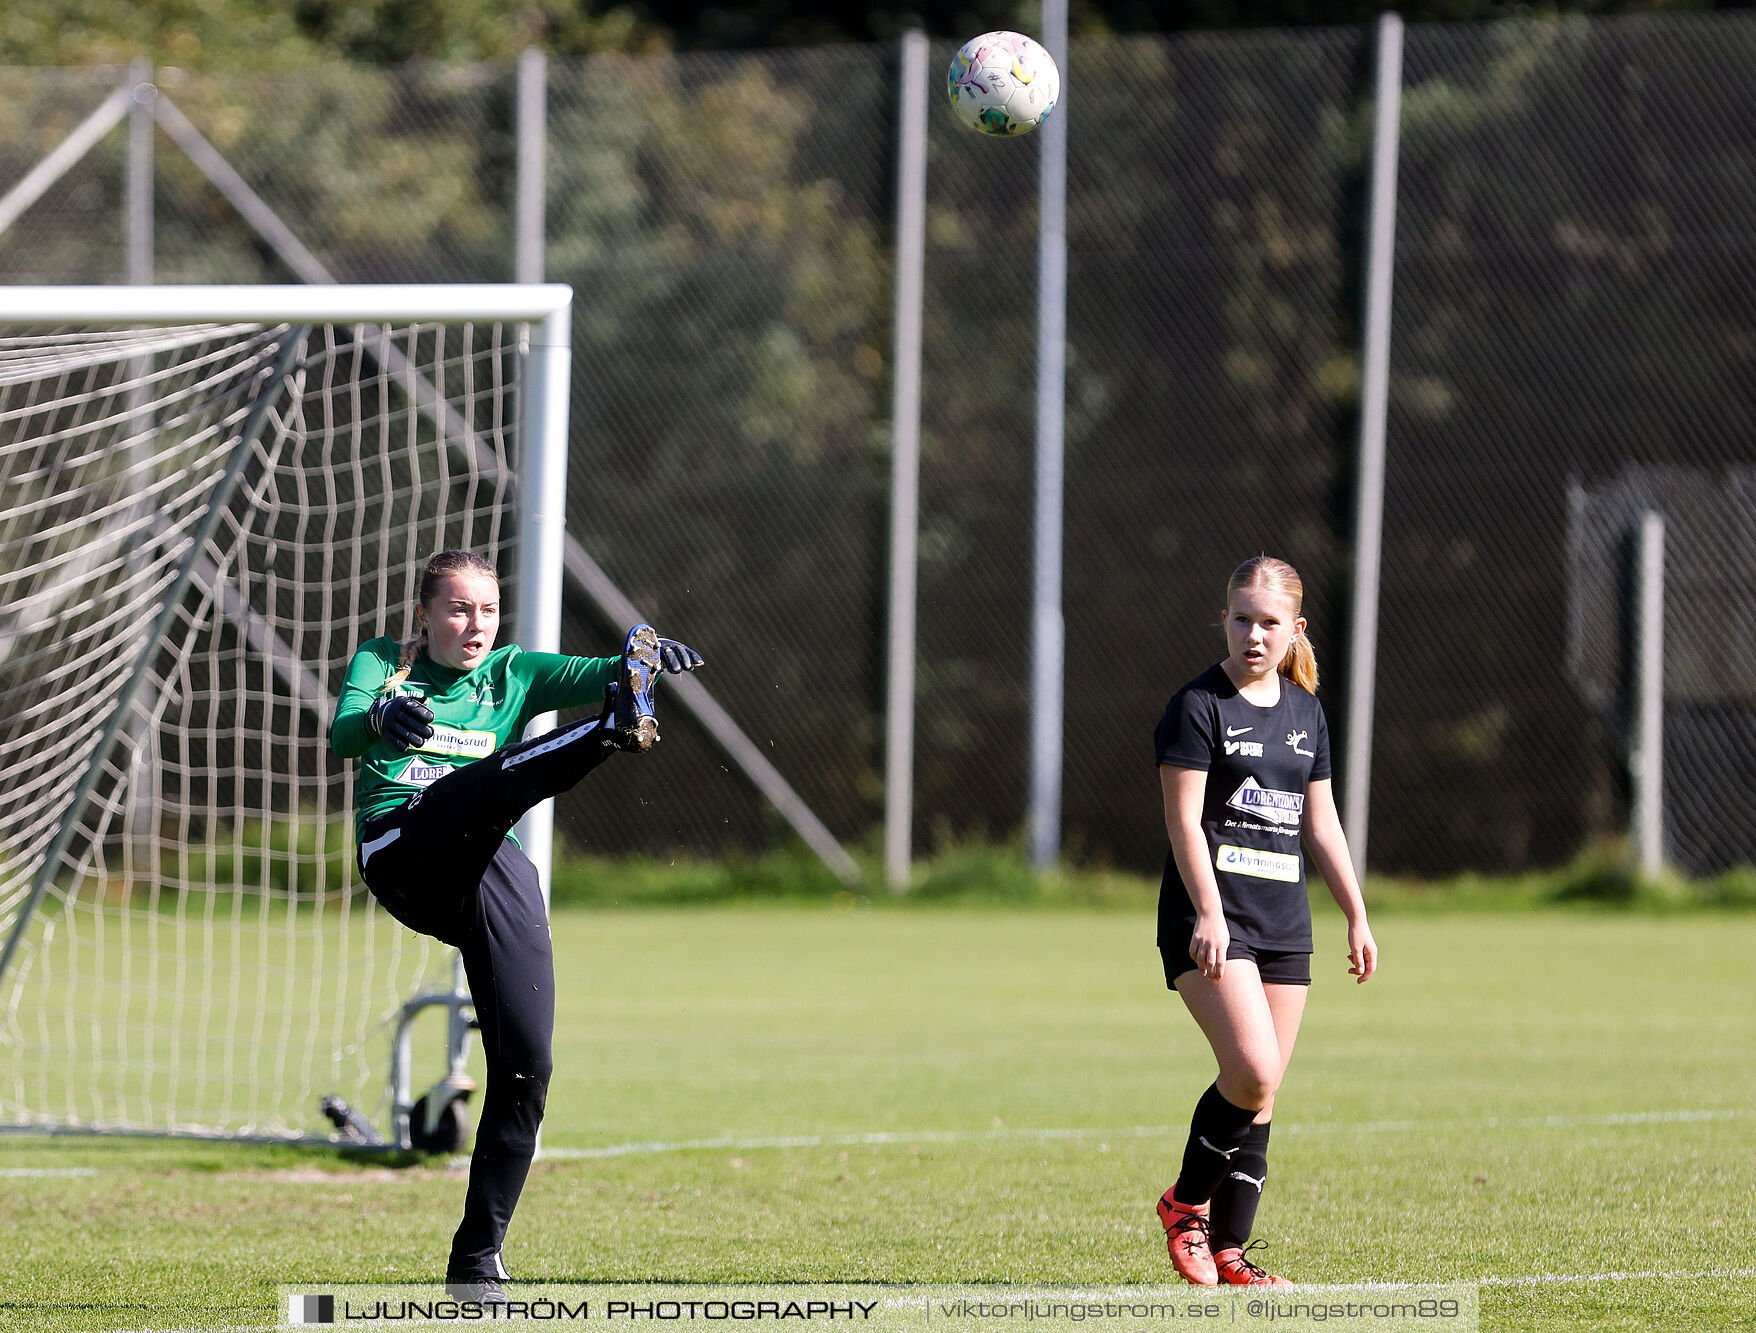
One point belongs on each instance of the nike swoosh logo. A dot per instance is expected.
(1238, 731)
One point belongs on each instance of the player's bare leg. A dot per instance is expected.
(1239, 1191)
(1245, 1032)
(1234, 1015)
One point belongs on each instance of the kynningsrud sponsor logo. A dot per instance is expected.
(455, 740)
(1281, 866)
(1277, 807)
(420, 772)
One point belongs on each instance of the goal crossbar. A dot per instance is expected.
(534, 303)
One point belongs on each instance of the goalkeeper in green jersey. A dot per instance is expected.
(443, 777)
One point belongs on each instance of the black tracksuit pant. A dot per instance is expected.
(441, 864)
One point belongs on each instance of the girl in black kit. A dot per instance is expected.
(1243, 754)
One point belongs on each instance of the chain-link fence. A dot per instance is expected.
(75, 231)
(1210, 318)
(1568, 308)
(1572, 306)
(724, 224)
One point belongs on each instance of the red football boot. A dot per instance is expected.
(1237, 1271)
(1186, 1235)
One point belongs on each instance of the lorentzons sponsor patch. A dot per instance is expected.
(420, 772)
(1282, 866)
(455, 740)
(1277, 807)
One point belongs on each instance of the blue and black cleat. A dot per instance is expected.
(631, 705)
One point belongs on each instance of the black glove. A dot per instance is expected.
(676, 658)
(401, 720)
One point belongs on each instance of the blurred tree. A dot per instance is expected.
(793, 22)
(266, 34)
(255, 34)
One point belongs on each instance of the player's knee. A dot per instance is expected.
(529, 1077)
(531, 1091)
(513, 1112)
(1251, 1087)
(525, 1047)
(521, 1076)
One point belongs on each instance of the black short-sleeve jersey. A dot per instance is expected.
(1259, 762)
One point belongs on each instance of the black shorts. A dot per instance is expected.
(1279, 967)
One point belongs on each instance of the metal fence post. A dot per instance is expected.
(138, 223)
(531, 199)
(138, 244)
(1048, 624)
(905, 461)
(1374, 404)
(1649, 696)
(542, 511)
(543, 480)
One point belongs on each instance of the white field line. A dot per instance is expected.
(1532, 1280)
(1541, 1279)
(1316, 1288)
(15, 1172)
(658, 1146)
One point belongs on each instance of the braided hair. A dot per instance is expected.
(440, 567)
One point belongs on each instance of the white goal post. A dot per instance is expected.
(211, 496)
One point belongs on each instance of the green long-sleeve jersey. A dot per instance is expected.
(475, 712)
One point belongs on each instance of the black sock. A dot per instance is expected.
(1239, 1191)
(1215, 1132)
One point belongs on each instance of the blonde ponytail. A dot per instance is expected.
(411, 649)
(1300, 663)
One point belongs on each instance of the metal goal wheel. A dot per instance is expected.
(437, 1121)
(446, 1132)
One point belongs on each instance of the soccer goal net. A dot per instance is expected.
(212, 496)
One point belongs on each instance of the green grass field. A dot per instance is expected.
(1534, 1101)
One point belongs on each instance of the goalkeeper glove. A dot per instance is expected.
(676, 658)
(401, 720)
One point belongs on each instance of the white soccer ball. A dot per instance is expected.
(1003, 83)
